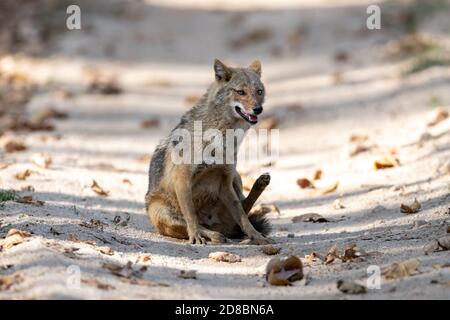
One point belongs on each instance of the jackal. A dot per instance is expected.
(203, 202)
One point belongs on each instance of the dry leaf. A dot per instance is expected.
(412, 208)
(13, 237)
(96, 283)
(386, 162)
(13, 145)
(150, 123)
(438, 115)
(313, 257)
(42, 160)
(304, 183)
(7, 281)
(282, 272)
(352, 253)
(331, 188)
(351, 287)
(127, 181)
(359, 148)
(270, 250)
(401, 269)
(23, 175)
(104, 86)
(30, 200)
(222, 256)
(332, 254)
(126, 271)
(188, 274)
(143, 258)
(359, 138)
(105, 250)
(317, 174)
(97, 189)
(309, 217)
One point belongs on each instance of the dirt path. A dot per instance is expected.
(318, 59)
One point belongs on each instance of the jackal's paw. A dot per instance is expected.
(263, 180)
(196, 238)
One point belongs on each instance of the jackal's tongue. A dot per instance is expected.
(252, 117)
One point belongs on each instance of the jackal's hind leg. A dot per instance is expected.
(258, 187)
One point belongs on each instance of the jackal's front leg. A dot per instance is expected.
(183, 190)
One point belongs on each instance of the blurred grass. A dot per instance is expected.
(431, 58)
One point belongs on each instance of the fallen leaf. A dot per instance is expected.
(359, 148)
(313, 257)
(270, 250)
(150, 123)
(386, 162)
(222, 256)
(352, 253)
(105, 250)
(42, 160)
(304, 183)
(317, 174)
(143, 258)
(359, 138)
(332, 254)
(23, 175)
(127, 181)
(188, 274)
(96, 283)
(104, 86)
(30, 200)
(401, 269)
(13, 237)
(8, 281)
(11, 145)
(348, 287)
(438, 115)
(284, 271)
(322, 191)
(309, 217)
(97, 189)
(412, 208)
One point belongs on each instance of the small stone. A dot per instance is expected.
(291, 235)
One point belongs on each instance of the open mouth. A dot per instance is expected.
(250, 118)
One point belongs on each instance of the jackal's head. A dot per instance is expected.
(240, 91)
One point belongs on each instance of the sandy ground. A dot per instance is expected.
(161, 54)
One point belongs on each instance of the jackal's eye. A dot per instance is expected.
(240, 92)
(260, 92)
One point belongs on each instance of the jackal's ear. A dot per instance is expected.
(256, 66)
(221, 70)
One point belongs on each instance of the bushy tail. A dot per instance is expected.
(259, 222)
